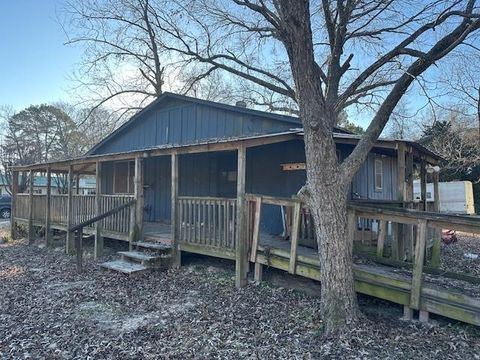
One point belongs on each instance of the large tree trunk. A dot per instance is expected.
(327, 198)
(326, 189)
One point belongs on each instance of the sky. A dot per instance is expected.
(34, 62)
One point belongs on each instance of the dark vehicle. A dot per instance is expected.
(5, 206)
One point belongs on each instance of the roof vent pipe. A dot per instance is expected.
(241, 103)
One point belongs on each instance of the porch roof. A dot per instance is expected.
(86, 163)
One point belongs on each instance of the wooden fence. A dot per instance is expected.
(207, 221)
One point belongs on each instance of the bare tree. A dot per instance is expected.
(461, 80)
(326, 56)
(125, 65)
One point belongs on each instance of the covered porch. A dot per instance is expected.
(193, 197)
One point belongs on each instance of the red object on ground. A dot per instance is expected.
(449, 236)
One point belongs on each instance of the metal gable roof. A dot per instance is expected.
(294, 121)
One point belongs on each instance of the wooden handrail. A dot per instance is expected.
(79, 229)
(101, 216)
(408, 216)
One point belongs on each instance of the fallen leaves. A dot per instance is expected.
(48, 311)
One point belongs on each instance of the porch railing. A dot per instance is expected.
(207, 221)
(83, 209)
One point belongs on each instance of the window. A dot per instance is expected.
(123, 174)
(378, 174)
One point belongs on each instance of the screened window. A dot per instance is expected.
(123, 174)
(378, 174)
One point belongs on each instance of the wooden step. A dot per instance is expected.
(139, 256)
(153, 246)
(124, 267)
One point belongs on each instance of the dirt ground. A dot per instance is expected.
(48, 311)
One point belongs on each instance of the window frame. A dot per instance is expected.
(130, 177)
(378, 170)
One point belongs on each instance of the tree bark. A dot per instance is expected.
(326, 194)
(327, 186)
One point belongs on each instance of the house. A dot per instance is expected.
(206, 140)
(455, 197)
(189, 175)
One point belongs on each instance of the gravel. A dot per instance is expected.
(48, 311)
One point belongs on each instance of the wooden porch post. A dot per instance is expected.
(30, 207)
(13, 212)
(77, 183)
(139, 197)
(48, 230)
(98, 209)
(241, 246)
(69, 243)
(174, 211)
(398, 244)
(437, 240)
(423, 184)
(409, 236)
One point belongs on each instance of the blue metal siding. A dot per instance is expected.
(201, 175)
(265, 176)
(187, 123)
(363, 183)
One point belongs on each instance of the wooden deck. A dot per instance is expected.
(439, 295)
(209, 226)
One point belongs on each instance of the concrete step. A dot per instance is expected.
(125, 267)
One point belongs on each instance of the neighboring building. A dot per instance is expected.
(455, 196)
(86, 185)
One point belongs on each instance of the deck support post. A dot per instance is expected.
(30, 206)
(139, 196)
(241, 246)
(417, 273)
(79, 249)
(437, 240)
(174, 211)
(48, 229)
(423, 316)
(98, 247)
(13, 210)
(407, 313)
(69, 243)
(258, 274)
